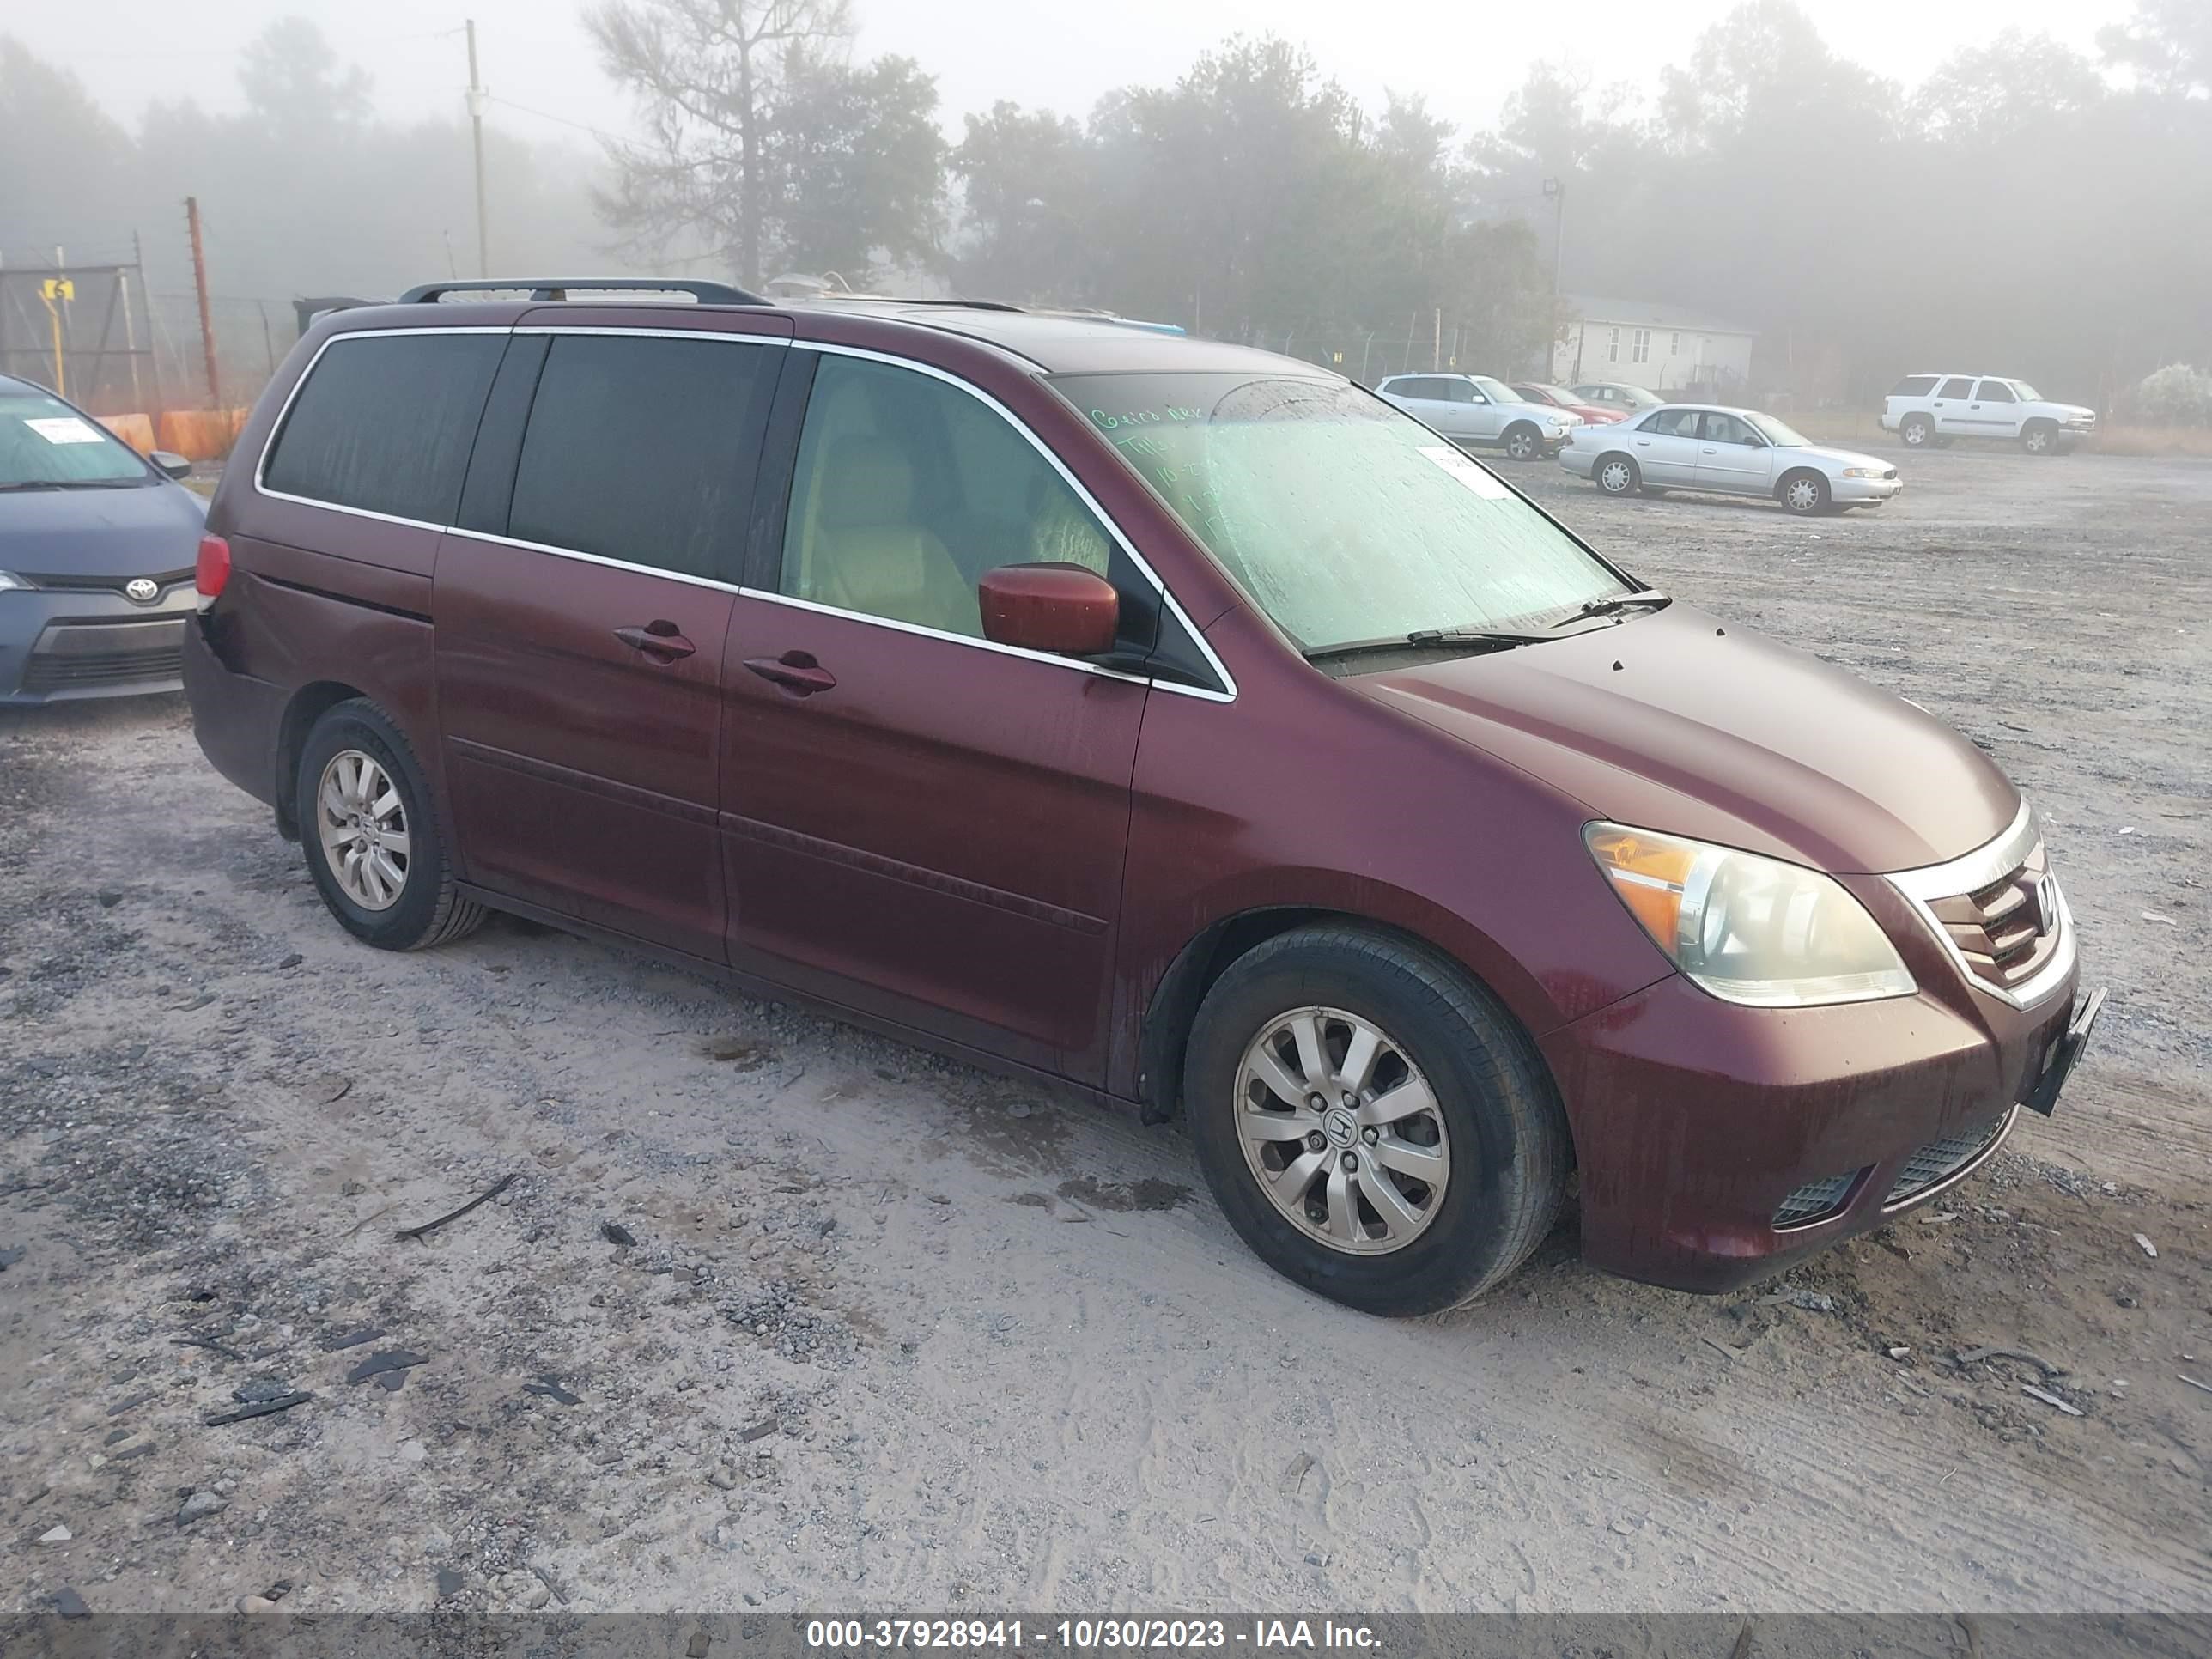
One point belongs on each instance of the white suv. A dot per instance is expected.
(1935, 408)
(1473, 409)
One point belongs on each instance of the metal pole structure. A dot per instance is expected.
(207, 316)
(477, 99)
(130, 338)
(1557, 189)
(153, 332)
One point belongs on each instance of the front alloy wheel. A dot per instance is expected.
(1341, 1131)
(363, 824)
(1521, 444)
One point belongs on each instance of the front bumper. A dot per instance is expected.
(1861, 491)
(63, 645)
(1578, 458)
(1717, 1144)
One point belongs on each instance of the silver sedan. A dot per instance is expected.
(1731, 451)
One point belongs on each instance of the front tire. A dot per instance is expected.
(1805, 494)
(2040, 438)
(371, 833)
(1617, 475)
(1522, 442)
(1437, 1157)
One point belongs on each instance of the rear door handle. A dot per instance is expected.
(659, 640)
(796, 672)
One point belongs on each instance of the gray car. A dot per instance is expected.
(1475, 409)
(97, 545)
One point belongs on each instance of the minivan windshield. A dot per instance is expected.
(1345, 520)
(46, 444)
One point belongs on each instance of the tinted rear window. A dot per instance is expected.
(385, 423)
(642, 449)
(1913, 386)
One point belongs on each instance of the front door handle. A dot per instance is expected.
(659, 640)
(796, 672)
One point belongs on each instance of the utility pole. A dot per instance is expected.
(477, 99)
(207, 316)
(153, 328)
(1557, 189)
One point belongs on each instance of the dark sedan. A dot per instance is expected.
(96, 551)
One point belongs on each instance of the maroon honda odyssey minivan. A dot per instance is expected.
(1169, 718)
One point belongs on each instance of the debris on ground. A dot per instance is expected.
(2068, 1406)
(1810, 1301)
(260, 1408)
(483, 1197)
(385, 1359)
(2149, 1248)
(1975, 1356)
(617, 1235)
(552, 1388)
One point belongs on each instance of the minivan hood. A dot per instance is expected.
(1672, 721)
(142, 529)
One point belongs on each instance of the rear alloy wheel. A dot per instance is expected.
(1805, 494)
(1917, 432)
(361, 821)
(1617, 475)
(1522, 442)
(1373, 1123)
(371, 833)
(2041, 438)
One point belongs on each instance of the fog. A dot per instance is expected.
(1870, 188)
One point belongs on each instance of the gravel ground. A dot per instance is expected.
(772, 1314)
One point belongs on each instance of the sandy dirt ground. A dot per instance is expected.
(772, 1314)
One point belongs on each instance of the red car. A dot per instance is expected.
(1166, 718)
(1558, 397)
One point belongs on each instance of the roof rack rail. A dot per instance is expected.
(540, 287)
(949, 302)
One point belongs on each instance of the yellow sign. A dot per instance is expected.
(57, 288)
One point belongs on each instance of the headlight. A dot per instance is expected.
(8, 579)
(1749, 929)
(1863, 471)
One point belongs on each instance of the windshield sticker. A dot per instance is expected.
(1474, 476)
(63, 430)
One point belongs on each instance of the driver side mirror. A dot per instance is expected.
(1067, 610)
(170, 465)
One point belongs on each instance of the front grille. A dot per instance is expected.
(1816, 1201)
(1939, 1160)
(52, 674)
(164, 580)
(2007, 930)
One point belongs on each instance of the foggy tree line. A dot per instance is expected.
(2025, 208)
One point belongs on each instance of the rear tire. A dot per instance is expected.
(1617, 475)
(370, 832)
(1491, 1132)
(1917, 432)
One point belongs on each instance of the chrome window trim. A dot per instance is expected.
(276, 427)
(1225, 691)
(583, 558)
(1209, 694)
(1970, 873)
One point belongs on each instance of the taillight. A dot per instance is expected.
(212, 572)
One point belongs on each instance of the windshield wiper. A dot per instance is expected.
(71, 483)
(1490, 638)
(1649, 598)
